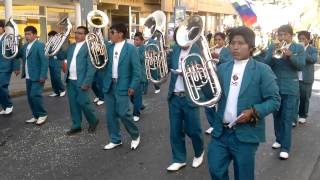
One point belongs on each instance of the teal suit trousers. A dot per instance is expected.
(117, 107)
(34, 93)
(79, 101)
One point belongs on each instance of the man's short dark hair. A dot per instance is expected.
(120, 27)
(304, 33)
(86, 31)
(2, 24)
(139, 35)
(221, 34)
(286, 28)
(31, 29)
(246, 33)
(52, 33)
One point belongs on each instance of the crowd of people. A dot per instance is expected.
(252, 87)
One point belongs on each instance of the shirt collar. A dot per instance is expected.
(121, 43)
(241, 62)
(80, 43)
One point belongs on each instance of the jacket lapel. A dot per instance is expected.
(72, 48)
(227, 78)
(247, 76)
(123, 53)
(31, 49)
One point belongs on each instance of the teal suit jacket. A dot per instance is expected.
(37, 61)
(129, 71)
(225, 55)
(258, 90)
(173, 63)
(311, 59)
(8, 65)
(85, 69)
(141, 50)
(286, 69)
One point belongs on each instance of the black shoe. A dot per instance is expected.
(73, 131)
(92, 128)
(143, 107)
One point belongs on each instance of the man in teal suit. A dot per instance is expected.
(250, 93)
(306, 76)
(184, 115)
(79, 76)
(7, 66)
(224, 55)
(55, 64)
(121, 80)
(286, 69)
(34, 69)
(136, 99)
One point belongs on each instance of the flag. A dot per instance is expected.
(245, 11)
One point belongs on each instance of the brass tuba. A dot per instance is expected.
(95, 42)
(55, 42)
(10, 44)
(199, 70)
(155, 53)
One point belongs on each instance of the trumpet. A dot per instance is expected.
(199, 70)
(55, 42)
(10, 43)
(155, 53)
(95, 42)
(279, 48)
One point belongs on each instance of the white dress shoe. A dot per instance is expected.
(136, 118)
(197, 161)
(99, 103)
(53, 95)
(276, 145)
(294, 124)
(284, 155)
(2, 112)
(135, 143)
(302, 120)
(32, 120)
(157, 91)
(8, 110)
(209, 131)
(176, 166)
(96, 100)
(41, 120)
(63, 93)
(111, 146)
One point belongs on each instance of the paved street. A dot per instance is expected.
(32, 152)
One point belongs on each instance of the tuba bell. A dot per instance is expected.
(155, 53)
(199, 70)
(55, 42)
(10, 43)
(95, 42)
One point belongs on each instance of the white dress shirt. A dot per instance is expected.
(230, 113)
(73, 64)
(116, 56)
(218, 50)
(300, 75)
(27, 53)
(179, 86)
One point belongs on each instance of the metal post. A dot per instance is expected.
(43, 23)
(86, 6)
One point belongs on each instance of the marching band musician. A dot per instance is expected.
(35, 69)
(184, 116)
(154, 72)
(55, 64)
(78, 77)
(136, 99)
(223, 54)
(7, 66)
(306, 76)
(250, 93)
(121, 80)
(286, 69)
